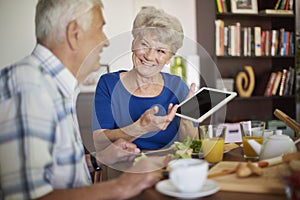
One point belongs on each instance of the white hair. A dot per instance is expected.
(53, 16)
(165, 27)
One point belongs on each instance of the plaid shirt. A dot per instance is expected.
(40, 144)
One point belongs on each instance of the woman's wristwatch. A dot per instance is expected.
(94, 162)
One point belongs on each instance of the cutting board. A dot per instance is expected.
(269, 182)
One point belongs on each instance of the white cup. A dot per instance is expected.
(188, 175)
(268, 133)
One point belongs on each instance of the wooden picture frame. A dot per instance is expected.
(244, 6)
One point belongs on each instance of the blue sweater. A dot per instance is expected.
(115, 107)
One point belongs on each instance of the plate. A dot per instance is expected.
(166, 187)
(158, 152)
(226, 151)
(201, 154)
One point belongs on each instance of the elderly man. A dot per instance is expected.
(42, 155)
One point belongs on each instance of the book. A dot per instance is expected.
(245, 41)
(263, 43)
(277, 12)
(282, 83)
(274, 42)
(226, 40)
(276, 83)
(282, 5)
(286, 86)
(268, 43)
(221, 38)
(229, 41)
(233, 42)
(292, 44)
(287, 3)
(291, 81)
(277, 4)
(281, 42)
(238, 39)
(286, 43)
(223, 6)
(291, 6)
(270, 84)
(242, 41)
(219, 6)
(219, 34)
(251, 41)
(257, 40)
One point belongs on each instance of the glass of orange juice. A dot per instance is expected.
(212, 137)
(251, 130)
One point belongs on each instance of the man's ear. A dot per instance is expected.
(72, 35)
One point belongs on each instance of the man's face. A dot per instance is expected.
(91, 44)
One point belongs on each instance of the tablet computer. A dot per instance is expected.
(204, 103)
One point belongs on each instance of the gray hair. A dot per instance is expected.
(167, 28)
(53, 16)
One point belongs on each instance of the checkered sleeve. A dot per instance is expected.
(27, 137)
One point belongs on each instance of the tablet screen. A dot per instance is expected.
(201, 103)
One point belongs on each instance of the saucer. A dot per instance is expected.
(166, 187)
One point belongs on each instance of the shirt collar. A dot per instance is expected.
(64, 79)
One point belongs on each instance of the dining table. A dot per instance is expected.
(233, 155)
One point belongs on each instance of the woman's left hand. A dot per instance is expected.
(191, 91)
(187, 128)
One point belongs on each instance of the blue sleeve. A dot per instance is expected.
(102, 116)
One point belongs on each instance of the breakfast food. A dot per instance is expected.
(243, 170)
(186, 148)
(254, 169)
(247, 169)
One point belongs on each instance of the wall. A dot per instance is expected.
(17, 29)
(17, 24)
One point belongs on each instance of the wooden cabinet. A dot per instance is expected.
(258, 106)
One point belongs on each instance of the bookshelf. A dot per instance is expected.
(258, 106)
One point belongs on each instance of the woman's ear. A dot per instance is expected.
(72, 35)
(169, 60)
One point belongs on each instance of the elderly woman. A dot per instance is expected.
(140, 105)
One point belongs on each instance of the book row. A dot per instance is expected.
(280, 83)
(224, 6)
(236, 40)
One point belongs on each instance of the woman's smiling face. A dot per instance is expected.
(149, 55)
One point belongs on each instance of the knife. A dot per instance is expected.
(222, 173)
(278, 160)
(287, 120)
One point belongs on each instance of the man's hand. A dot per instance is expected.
(120, 150)
(144, 174)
